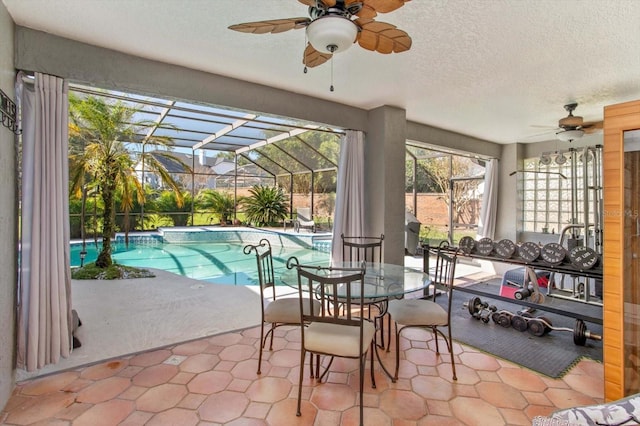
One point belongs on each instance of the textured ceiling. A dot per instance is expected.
(494, 69)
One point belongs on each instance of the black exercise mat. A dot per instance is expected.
(552, 354)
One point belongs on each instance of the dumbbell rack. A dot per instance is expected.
(563, 268)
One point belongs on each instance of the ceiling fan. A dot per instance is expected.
(334, 25)
(573, 127)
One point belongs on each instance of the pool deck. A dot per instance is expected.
(122, 317)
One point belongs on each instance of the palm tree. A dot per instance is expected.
(266, 205)
(104, 129)
(221, 203)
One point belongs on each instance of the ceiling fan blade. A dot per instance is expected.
(313, 58)
(382, 37)
(272, 26)
(592, 127)
(384, 6)
(570, 122)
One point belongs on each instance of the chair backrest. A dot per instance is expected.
(359, 249)
(264, 260)
(304, 214)
(326, 284)
(444, 272)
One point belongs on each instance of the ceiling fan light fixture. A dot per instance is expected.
(545, 159)
(570, 135)
(332, 34)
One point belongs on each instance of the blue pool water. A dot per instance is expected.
(218, 262)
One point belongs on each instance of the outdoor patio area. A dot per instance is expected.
(213, 381)
(185, 353)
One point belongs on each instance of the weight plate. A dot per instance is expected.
(467, 244)
(553, 253)
(473, 305)
(529, 251)
(519, 323)
(580, 333)
(536, 327)
(484, 246)
(496, 317)
(582, 257)
(504, 320)
(505, 248)
(536, 297)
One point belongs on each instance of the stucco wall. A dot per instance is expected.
(8, 222)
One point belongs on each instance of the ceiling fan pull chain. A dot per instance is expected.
(304, 53)
(331, 88)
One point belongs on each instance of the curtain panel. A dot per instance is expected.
(44, 293)
(488, 210)
(349, 208)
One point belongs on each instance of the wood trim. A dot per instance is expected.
(617, 119)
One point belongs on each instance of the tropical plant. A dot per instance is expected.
(103, 130)
(219, 202)
(167, 205)
(266, 205)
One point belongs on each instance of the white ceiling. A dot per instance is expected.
(493, 69)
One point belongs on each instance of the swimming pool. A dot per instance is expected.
(208, 259)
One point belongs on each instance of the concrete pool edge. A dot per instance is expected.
(233, 234)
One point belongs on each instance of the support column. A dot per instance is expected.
(384, 158)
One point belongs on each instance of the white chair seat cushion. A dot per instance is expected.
(417, 312)
(337, 339)
(287, 310)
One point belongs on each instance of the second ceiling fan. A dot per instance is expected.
(573, 127)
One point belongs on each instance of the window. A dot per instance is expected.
(560, 189)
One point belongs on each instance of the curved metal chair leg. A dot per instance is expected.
(261, 348)
(302, 356)
(395, 374)
(373, 376)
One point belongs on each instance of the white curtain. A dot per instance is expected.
(488, 211)
(349, 213)
(44, 305)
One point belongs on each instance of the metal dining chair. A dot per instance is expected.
(427, 314)
(367, 249)
(358, 249)
(334, 332)
(275, 312)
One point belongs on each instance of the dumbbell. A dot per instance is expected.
(476, 308)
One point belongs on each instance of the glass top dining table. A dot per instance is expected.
(381, 280)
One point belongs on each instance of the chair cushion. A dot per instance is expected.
(287, 310)
(625, 411)
(336, 339)
(417, 312)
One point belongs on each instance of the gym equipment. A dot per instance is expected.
(541, 325)
(484, 246)
(523, 321)
(505, 248)
(529, 251)
(467, 244)
(480, 310)
(582, 257)
(553, 253)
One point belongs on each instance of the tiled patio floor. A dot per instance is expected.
(213, 381)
